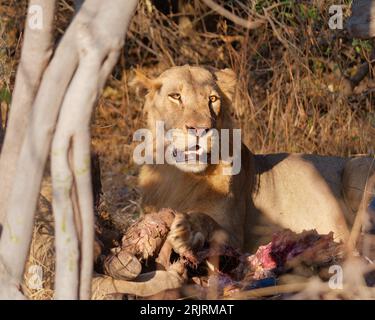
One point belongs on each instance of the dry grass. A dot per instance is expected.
(291, 91)
(291, 73)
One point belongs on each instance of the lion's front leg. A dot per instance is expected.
(190, 231)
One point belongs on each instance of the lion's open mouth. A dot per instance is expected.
(194, 153)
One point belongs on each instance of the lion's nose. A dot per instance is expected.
(199, 132)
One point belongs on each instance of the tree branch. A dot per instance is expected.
(36, 52)
(108, 21)
(73, 130)
(234, 18)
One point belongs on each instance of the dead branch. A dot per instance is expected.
(251, 25)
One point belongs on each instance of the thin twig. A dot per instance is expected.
(251, 25)
(270, 291)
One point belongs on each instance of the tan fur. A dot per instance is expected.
(294, 191)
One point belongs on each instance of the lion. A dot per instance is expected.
(270, 192)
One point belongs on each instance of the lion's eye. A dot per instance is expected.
(175, 96)
(214, 98)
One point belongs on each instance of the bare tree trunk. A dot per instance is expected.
(36, 52)
(73, 135)
(93, 40)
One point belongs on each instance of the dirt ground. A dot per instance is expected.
(292, 93)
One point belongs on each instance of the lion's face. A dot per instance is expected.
(189, 102)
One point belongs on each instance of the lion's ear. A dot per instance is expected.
(227, 81)
(143, 84)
